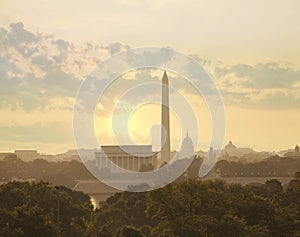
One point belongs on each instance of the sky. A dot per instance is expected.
(251, 49)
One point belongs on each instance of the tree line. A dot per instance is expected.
(181, 209)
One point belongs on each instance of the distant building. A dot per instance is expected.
(200, 154)
(293, 154)
(68, 156)
(241, 154)
(78, 155)
(187, 148)
(231, 150)
(211, 155)
(230, 146)
(129, 157)
(4, 154)
(27, 155)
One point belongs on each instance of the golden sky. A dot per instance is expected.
(251, 48)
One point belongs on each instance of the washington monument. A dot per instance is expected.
(165, 121)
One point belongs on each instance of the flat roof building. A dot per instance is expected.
(129, 157)
(27, 155)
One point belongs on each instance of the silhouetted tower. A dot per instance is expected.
(165, 120)
(297, 149)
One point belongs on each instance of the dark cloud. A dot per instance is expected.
(63, 48)
(264, 85)
(22, 40)
(3, 36)
(262, 76)
(116, 48)
(272, 100)
(35, 68)
(62, 44)
(57, 82)
(42, 61)
(19, 35)
(32, 93)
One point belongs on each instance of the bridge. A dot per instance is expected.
(99, 191)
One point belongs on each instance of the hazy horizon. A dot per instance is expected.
(251, 49)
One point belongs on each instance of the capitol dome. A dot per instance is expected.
(187, 147)
(230, 145)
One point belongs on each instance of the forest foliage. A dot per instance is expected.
(182, 209)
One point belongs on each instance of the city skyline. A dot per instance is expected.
(248, 148)
(150, 118)
(44, 64)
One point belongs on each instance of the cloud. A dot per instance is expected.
(63, 48)
(42, 61)
(263, 75)
(37, 68)
(20, 35)
(269, 85)
(116, 48)
(21, 39)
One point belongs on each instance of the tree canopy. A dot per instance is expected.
(181, 209)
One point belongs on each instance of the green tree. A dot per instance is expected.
(129, 231)
(30, 209)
